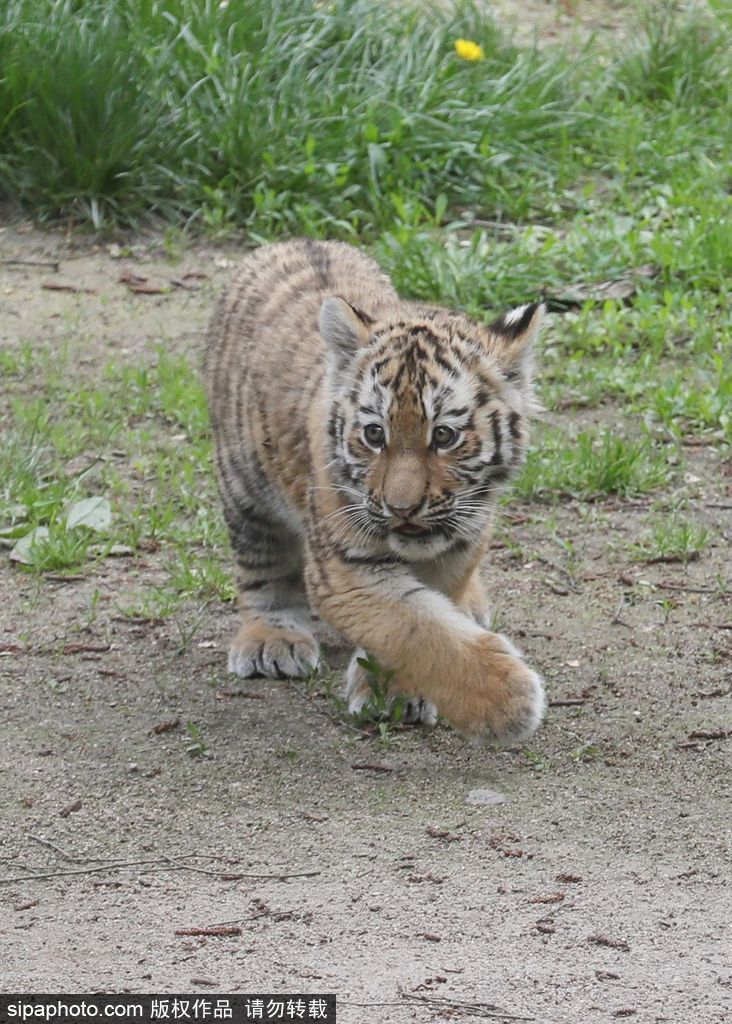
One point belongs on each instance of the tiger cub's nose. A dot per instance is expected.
(403, 511)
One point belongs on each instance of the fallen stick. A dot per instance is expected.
(85, 648)
(166, 862)
(282, 877)
(393, 1002)
(52, 846)
(241, 920)
(53, 264)
(473, 1009)
(705, 734)
(67, 286)
(693, 556)
(236, 875)
(682, 586)
(81, 871)
(215, 931)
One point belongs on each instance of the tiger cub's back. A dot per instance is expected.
(265, 357)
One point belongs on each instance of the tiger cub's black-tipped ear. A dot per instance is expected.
(512, 339)
(344, 328)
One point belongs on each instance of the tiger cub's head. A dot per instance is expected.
(428, 418)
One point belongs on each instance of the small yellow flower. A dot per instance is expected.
(466, 49)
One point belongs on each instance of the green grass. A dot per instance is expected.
(294, 115)
(328, 117)
(477, 184)
(197, 747)
(674, 538)
(141, 436)
(592, 465)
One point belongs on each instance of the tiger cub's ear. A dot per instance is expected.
(344, 329)
(512, 339)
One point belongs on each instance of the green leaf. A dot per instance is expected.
(94, 513)
(23, 550)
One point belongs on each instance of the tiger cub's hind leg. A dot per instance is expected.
(275, 637)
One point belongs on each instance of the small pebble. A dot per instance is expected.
(485, 797)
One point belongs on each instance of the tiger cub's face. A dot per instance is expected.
(428, 419)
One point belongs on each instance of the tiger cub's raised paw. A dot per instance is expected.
(501, 700)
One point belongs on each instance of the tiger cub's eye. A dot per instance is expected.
(373, 435)
(444, 437)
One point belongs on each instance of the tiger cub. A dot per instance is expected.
(361, 444)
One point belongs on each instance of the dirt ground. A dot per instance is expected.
(545, 21)
(591, 884)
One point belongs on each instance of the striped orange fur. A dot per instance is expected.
(361, 443)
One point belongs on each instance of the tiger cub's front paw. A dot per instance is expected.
(501, 699)
(369, 695)
(262, 649)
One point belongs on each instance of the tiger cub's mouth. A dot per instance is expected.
(412, 530)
